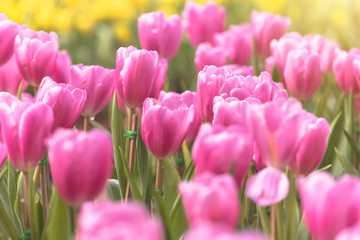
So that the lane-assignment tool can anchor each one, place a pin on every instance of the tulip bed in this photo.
(266, 148)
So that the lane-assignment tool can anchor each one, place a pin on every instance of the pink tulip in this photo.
(36, 54)
(346, 67)
(206, 54)
(8, 32)
(160, 34)
(189, 98)
(302, 73)
(266, 27)
(165, 125)
(270, 64)
(200, 195)
(10, 77)
(66, 101)
(219, 150)
(81, 163)
(24, 127)
(135, 74)
(267, 187)
(236, 42)
(351, 233)
(160, 79)
(329, 206)
(62, 72)
(98, 83)
(197, 23)
(117, 220)
(237, 70)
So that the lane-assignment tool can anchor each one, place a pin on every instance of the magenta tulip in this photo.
(165, 125)
(36, 54)
(8, 32)
(66, 101)
(346, 68)
(81, 163)
(62, 71)
(160, 79)
(117, 220)
(266, 27)
(10, 77)
(205, 191)
(206, 54)
(135, 74)
(24, 128)
(160, 34)
(197, 23)
(302, 73)
(236, 42)
(329, 206)
(267, 187)
(219, 150)
(98, 83)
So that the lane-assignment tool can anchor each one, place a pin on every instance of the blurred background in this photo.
(92, 30)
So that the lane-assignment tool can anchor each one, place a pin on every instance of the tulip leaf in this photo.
(346, 164)
(264, 219)
(112, 189)
(12, 194)
(276, 77)
(117, 144)
(98, 125)
(171, 181)
(254, 58)
(162, 210)
(354, 145)
(3, 171)
(33, 216)
(187, 155)
(143, 161)
(58, 225)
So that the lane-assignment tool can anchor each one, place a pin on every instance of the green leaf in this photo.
(254, 58)
(58, 227)
(264, 219)
(112, 189)
(346, 164)
(33, 217)
(143, 161)
(98, 125)
(6, 223)
(162, 210)
(186, 153)
(171, 181)
(13, 193)
(353, 144)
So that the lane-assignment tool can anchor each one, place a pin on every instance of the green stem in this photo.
(86, 124)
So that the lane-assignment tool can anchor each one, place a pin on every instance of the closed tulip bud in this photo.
(81, 163)
(329, 206)
(66, 101)
(197, 23)
(62, 71)
(219, 150)
(236, 42)
(266, 27)
(98, 83)
(135, 74)
(165, 125)
(302, 73)
(205, 191)
(160, 79)
(346, 68)
(8, 32)
(206, 54)
(24, 128)
(36, 54)
(10, 77)
(160, 34)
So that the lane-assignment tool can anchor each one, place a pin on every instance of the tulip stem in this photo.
(86, 124)
(132, 150)
(45, 188)
(25, 208)
(273, 222)
(180, 163)
(159, 177)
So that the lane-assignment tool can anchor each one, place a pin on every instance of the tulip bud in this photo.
(160, 34)
(62, 72)
(206, 54)
(160, 79)
(81, 163)
(10, 77)
(8, 32)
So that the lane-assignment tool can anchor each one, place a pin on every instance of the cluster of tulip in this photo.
(249, 140)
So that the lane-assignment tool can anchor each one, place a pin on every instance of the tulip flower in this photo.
(160, 34)
(36, 54)
(81, 163)
(66, 101)
(135, 74)
(205, 191)
(266, 27)
(98, 83)
(189, 98)
(329, 205)
(160, 79)
(351, 233)
(302, 73)
(346, 68)
(117, 220)
(62, 71)
(8, 32)
(24, 128)
(197, 23)
(10, 77)
(237, 70)
(236, 42)
(220, 150)
(206, 54)
(165, 125)
(267, 187)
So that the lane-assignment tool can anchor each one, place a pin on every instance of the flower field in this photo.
(179, 120)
